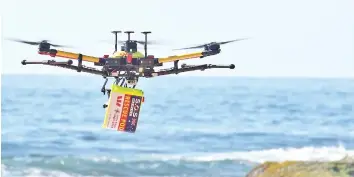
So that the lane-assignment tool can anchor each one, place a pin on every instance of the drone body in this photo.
(126, 67)
(128, 64)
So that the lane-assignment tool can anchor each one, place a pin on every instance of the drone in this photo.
(127, 65)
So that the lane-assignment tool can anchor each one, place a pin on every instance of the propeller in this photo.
(142, 42)
(37, 43)
(211, 43)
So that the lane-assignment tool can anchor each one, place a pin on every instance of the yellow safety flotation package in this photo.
(123, 109)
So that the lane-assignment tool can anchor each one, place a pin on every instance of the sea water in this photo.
(188, 126)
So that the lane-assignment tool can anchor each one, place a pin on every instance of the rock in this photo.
(340, 168)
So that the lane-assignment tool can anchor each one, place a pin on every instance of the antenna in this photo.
(145, 44)
(116, 39)
(128, 32)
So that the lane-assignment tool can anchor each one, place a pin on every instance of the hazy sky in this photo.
(288, 38)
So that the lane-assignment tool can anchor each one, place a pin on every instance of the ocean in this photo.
(188, 126)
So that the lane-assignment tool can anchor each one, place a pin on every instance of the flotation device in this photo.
(122, 112)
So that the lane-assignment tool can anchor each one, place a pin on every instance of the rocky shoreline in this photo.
(340, 168)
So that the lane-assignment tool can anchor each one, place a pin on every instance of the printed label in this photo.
(125, 112)
(133, 116)
(115, 110)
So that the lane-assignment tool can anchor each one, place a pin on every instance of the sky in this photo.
(299, 38)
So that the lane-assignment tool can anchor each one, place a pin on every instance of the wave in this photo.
(167, 164)
(310, 153)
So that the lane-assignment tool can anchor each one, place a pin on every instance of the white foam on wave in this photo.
(275, 155)
(36, 172)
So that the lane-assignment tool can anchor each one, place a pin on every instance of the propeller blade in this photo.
(56, 45)
(151, 42)
(225, 42)
(37, 43)
(23, 41)
(194, 47)
(203, 45)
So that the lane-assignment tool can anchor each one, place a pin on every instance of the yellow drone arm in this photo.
(181, 57)
(64, 54)
(76, 56)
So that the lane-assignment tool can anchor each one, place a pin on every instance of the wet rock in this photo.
(340, 168)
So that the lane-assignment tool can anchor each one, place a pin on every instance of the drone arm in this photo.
(70, 55)
(66, 65)
(188, 68)
(181, 57)
(189, 56)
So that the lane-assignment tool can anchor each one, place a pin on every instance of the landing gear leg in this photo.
(103, 89)
(118, 81)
